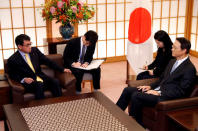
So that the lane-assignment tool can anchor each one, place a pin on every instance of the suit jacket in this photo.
(161, 61)
(178, 84)
(72, 52)
(19, 69)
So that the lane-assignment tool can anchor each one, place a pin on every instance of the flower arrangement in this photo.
(67, 11)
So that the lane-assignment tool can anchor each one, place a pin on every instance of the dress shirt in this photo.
(23, 55)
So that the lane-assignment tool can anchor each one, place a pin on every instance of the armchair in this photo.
(155, 118)
(66, 80)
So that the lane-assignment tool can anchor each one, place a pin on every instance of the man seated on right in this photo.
(175, 82)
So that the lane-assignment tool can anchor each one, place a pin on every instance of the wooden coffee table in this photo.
(16, 122)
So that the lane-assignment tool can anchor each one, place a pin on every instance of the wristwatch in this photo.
(159, 93)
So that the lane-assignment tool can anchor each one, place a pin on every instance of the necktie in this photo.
(31, 66)
(174, 66)
(82, 54)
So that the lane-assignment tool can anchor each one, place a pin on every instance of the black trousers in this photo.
(138, 100)
(145, 75)
(38, 88)
(78, 73)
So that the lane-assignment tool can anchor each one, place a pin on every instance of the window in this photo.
(17, 17)
(194, 27)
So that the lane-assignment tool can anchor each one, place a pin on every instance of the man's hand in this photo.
(144, 88)
(84, 65)
(67, 70)
(28, 80)
(76, 64)
(153, 92)
(150, 72)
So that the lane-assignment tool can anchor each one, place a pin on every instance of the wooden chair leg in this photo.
(6, 126)
(91, 83)
(83, 84)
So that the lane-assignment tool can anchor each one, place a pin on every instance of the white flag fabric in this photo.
(140, 45)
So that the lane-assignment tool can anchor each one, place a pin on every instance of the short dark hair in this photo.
(19, 40)
(91, 36)
(185, 44)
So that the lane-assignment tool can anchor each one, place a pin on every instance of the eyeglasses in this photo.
(28, 45)
(175, 48)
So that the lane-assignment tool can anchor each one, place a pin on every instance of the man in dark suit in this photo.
(175, 82)
(79, 52)
(24, 67)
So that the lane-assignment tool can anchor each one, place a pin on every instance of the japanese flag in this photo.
(139, 45)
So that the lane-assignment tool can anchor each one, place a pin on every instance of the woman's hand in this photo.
(150, 72)
(145, 67)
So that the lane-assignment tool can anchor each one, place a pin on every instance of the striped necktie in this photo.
(31, 66)
(82, 54)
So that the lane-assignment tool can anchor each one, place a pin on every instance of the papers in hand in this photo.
(93, 65)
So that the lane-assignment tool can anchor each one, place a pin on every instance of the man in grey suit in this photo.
(175, 82)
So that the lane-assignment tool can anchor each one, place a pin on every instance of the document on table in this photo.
(93, 65)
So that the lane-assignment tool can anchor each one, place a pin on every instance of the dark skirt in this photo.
(145, 75)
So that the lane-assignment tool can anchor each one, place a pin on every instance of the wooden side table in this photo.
(5, 96)
(184, 120)
(53, 42)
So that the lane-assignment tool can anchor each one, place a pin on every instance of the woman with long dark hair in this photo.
(162, 59)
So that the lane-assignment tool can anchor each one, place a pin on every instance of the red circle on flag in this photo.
(139, 26)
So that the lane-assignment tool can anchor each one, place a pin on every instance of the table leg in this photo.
(5, 126)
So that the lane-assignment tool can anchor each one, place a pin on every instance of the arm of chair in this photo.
(16, 86)
(177, 104)
(66, 80)
(142, 82)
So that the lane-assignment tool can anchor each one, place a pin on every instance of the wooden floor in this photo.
(113, 78)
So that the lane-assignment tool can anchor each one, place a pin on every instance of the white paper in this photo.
(93, 65)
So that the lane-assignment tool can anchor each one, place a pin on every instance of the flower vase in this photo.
(66, 31)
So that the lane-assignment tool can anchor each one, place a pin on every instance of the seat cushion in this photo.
(28, 96)
(31, 96)
(87, 76)
(48, 94)
(150, 112)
